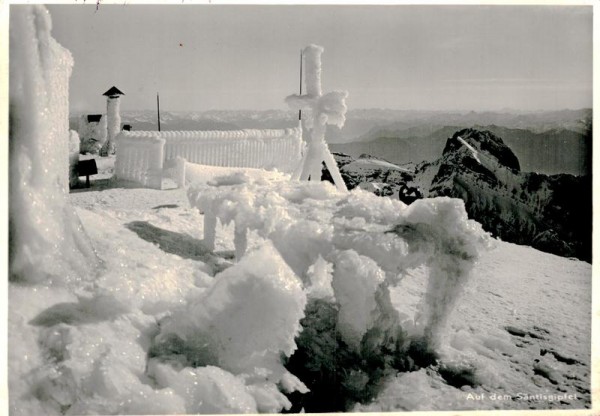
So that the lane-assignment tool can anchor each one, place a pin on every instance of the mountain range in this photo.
(542, 143)
(552, 213)
(548, 142)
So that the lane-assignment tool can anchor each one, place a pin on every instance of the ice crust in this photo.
(322, 110)
(146, 156)
(47, 240)
(251, 312)
(113, 124)
(93, 135)
(370, 241)
(140, 159)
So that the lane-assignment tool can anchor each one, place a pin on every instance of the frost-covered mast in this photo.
(113, 118)
(326, 109)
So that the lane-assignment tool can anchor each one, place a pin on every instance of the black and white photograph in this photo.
(220, 208)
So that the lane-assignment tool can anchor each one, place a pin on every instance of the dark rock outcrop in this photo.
(550, 213)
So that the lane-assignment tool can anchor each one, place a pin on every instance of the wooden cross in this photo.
(326, 109)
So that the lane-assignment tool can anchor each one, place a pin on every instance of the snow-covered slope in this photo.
(519, 339)
(385, 176)
(366, 165)
(523, 326)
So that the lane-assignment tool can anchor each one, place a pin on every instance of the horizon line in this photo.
(248, 110)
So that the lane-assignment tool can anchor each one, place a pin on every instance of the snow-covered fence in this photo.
(249, 148)
(140, 158)
(138, 152)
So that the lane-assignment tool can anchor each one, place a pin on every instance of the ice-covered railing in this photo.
(140, 158)
(249, 148)
(138, 151)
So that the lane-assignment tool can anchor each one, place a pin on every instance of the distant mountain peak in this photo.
(486, 142)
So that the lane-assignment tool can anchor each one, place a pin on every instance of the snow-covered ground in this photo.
(522, 330)
(518, 338)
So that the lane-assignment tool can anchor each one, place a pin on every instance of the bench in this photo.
(87, 168)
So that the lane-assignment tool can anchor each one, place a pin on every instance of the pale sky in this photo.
(203, 57)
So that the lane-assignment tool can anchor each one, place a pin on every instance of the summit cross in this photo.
(324, 109)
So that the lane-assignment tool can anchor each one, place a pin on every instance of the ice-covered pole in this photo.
(326, 109)
(312, 59)
(113, 116)
(114, 121)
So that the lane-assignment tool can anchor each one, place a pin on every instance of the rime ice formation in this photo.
(141, 157)
(243, 324)
(92, 132)
(96, 352)
(47, 241)
(328, 109)
(365, 238)
(251, 148)
(113, 120)
(348, 249)
(355, 282)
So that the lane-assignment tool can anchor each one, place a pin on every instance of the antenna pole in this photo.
(300, 111)
(158, 110)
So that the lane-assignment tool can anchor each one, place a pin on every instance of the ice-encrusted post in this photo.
(180, 172)
(113, 120)
(47, 242)
(240, 241)
(210, 229)
(155, 163)
(326, 109)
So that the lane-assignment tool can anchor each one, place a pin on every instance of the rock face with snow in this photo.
(384, 177)
(551, 213)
